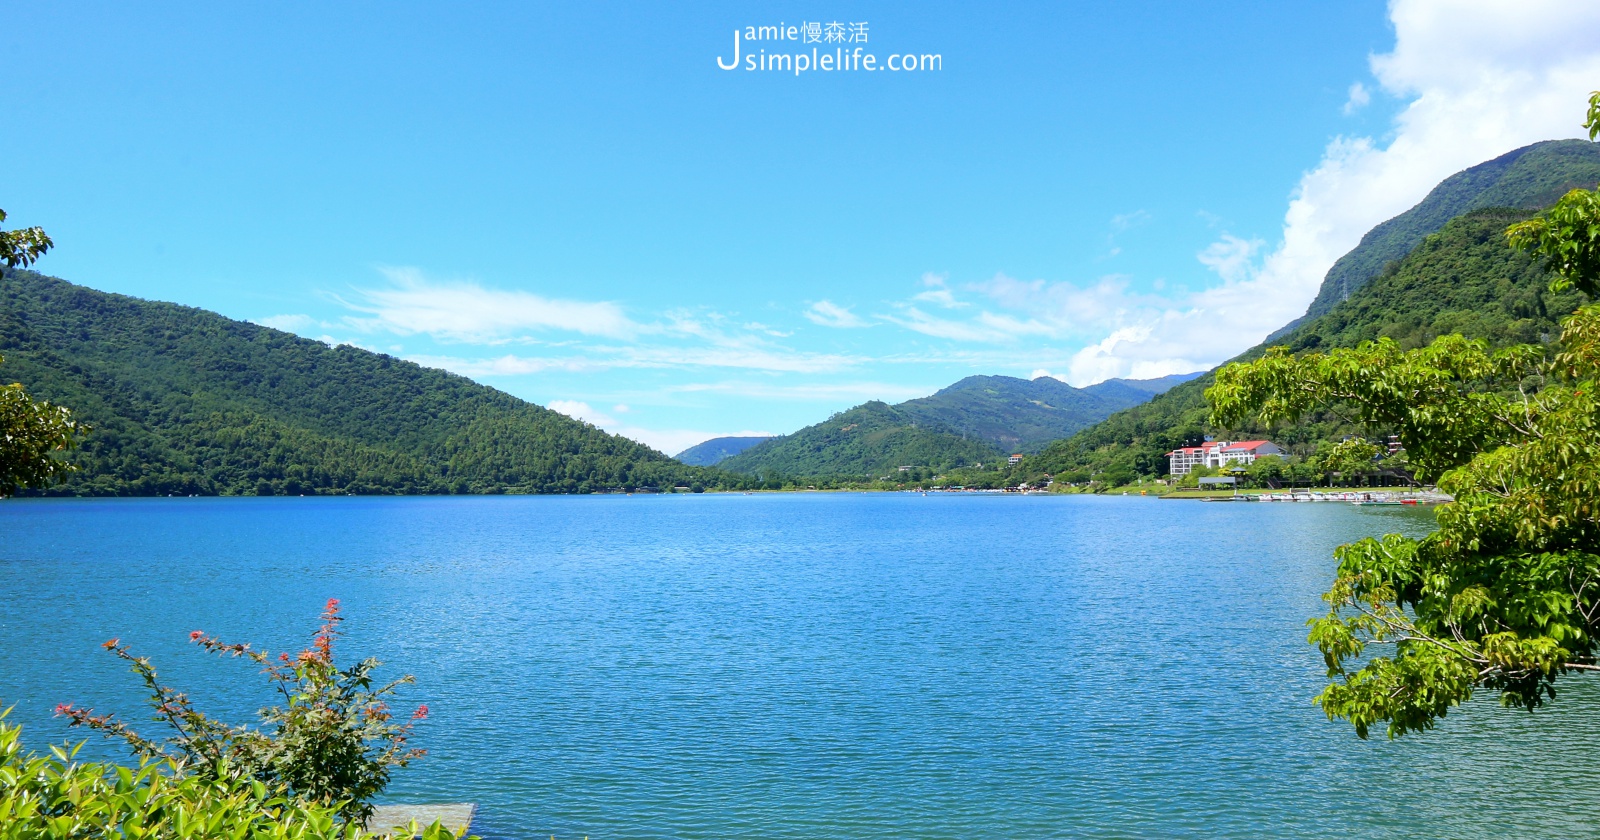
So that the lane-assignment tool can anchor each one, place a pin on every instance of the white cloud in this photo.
(1135, 352)
(579, 410)
(1482, 78)
(669, 441)
(939, 297)
(771, 360)
(1124, 221)
(1067, 308)
(938, 292)
(468, 312)
(288, 323)
(1359, 98)
(1013, 327)
(508, 365)
(1121, 223)
(830, 314)
(813, 392)
(1040, 309)
(1231, 257)
(916, 320)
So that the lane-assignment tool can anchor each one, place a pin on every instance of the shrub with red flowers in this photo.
(334, 740)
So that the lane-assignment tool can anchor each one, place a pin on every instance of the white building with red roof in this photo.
(1219, 453)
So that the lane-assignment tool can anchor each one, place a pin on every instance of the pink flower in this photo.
(63, 709)
(421, 712)
(195, 635)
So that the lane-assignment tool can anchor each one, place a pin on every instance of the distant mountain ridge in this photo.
(710, 452)
(185, 401)
(977, 420)
(1134, 392)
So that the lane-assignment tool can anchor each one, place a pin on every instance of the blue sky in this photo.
(575, 204)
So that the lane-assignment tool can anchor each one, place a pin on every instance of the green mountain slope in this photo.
(187, 401)
(975, 421)
(1020, 415)
(1464, 278)
(714, 450)
(872, 439)
(1529, 177)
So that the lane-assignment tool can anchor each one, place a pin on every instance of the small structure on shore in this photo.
(456, 817)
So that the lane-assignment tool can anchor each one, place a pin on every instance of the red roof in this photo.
(1247, 445)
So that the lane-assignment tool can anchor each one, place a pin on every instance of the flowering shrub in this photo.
(333, 742)
(53, 796)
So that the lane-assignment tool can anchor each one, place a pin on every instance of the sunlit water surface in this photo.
(799, 666)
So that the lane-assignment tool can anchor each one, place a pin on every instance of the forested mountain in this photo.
(1528, 178)
(1463, 279)
(978, 420)
(1021, 415)
(714, 450)
(187, 401)
(870, 440)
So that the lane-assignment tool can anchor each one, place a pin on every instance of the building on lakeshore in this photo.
(1014, 460)
(1218, 454)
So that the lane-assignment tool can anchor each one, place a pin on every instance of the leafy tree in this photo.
(1193, 476)
(1117, 476)
(32, 434)
(24, 246)
(333, 743)
(1351, 459)
(1265, 470)
(1505, 595)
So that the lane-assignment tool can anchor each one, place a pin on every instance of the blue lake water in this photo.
(799, 666)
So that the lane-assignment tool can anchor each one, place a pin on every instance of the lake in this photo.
(798, 665)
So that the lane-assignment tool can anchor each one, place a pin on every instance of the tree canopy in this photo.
(32, 434)
(22, 247)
